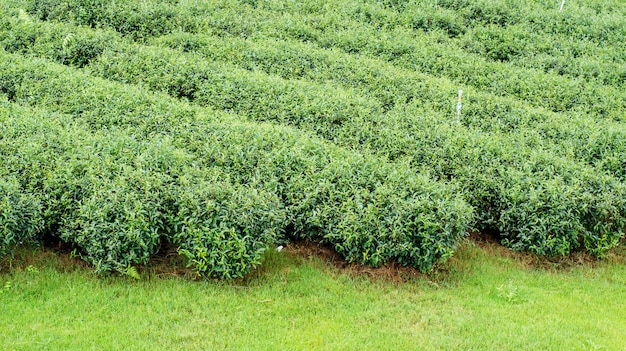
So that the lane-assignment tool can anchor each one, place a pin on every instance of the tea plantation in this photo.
(228, 127)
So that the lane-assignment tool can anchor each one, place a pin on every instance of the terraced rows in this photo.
(225, 128)
(385, 36)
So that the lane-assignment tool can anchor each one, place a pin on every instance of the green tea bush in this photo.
(236, 90)
(254, 95)
(572, 59)
(368, 210)
(74, 171)
(114, 226)
(105, 205)
(20, 215)
(162, 70)
(413, 51)
(285, 162)
(518, 191)
(136, 20)
(292, 60)
(22, 207)
(585, 138)
(540, 89)
(481, 178)
(577, 22)
(294, 102)
(224, 229)
(240, 18)
(588, 209)
(115, 199)
(515, 159)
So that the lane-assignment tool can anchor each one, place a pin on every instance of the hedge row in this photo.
(392, 42)
(525, 48)
(303, 103)
(485, 24)
(550, 225)
(599, 142)
(568, 231)
(137, 20)
(427, 53)
(599, 21)
(534, 199)
(183, 75)
(116, 198)
(370, 210)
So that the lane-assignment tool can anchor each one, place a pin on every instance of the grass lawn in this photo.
(483, 298)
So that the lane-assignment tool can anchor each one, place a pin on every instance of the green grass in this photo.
(483, 298)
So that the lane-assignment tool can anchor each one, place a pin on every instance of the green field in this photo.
(385, 131)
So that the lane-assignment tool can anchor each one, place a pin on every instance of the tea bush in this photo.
(537, 151)
(20, 215)
(116, 198)
(297, 165)
(262, 98)
(342, 27)
(224, 229)
(299, 102)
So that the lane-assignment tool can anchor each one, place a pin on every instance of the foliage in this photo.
(541, 218)
(115, 198)
(345, 27)
(126, 209)
(223, 230)
(20, 215)
(224, 127)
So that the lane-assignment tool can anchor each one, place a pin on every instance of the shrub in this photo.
(280, 160)
(505, 154)
(261, 97)
(223, 229)
(115, 198)
(20, 216)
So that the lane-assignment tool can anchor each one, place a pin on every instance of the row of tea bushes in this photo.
(20, 215)
(598, 21)
(116, 198)
(425, 53)
(371, 211)
(599, 141)
(408, 49)
(248, 98)
(530, 196)
(485, 28)
(522, 47)
(505, 167)
(371, 134)
(320, 107)
(301, 102)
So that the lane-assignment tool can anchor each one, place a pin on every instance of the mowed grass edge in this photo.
(483, 298)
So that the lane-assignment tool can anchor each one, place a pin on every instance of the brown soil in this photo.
(167, 262)
(390, 272)
(528, 260)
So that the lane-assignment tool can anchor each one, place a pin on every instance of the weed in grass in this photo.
(32, 269)
(6, 286)
(509, 292)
